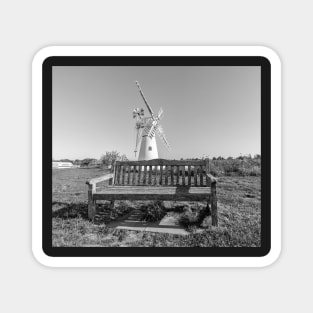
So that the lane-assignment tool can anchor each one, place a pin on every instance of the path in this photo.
(169, 224)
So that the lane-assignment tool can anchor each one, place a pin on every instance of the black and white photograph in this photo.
(156, 156)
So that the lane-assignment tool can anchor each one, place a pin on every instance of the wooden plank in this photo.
(201, 175)
(195, 175)
(166, 175)
(91, 202)
(207, 171)
(144, 175)
(161, 175)
(214, 204)
(162, 162)
(123, 174)
(211, 179)
(113, 178)
(128, 174)
(156, 190)
(117, 175)
(99, 179)
(189, 175)
(134, 175)
(183, 176)
(156, 182)
(172, 175)
(139, 175)
(177, 176)
(152, 196)
(154, 193)
(150, 175)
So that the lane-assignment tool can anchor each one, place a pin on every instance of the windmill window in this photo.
(150, 148)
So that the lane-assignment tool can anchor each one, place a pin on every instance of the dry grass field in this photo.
(239, 212)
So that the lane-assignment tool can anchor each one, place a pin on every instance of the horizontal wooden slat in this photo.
(154, 193)
(163, 162)
(157, 189)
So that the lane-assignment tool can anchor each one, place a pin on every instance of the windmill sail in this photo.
(160, 114)
(144, 99)
(163, 138)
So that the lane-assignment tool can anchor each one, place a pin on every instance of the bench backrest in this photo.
(160, 172)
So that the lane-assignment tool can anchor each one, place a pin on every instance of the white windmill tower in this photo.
(147, 128)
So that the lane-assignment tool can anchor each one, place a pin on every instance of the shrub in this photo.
(193, 218)
(154, 212)
(242, 166)
(111, 156)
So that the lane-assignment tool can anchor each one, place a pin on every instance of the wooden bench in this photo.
(158, 179)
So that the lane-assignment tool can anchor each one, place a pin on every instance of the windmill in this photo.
(147, 128)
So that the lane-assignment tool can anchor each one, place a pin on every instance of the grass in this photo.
(239, 212)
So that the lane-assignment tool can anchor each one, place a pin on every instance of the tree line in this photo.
(106, 159)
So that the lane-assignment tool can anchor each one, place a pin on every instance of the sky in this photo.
(207, 110)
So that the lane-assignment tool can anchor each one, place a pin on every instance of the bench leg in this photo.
(91, 209)
(214, 211)
(214, 205)
(208, 208)
(91, 206)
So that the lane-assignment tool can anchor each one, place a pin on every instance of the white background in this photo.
(27, 26)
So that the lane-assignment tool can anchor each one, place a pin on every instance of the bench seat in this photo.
(168, 193)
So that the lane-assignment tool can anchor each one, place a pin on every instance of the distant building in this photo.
(56, 164)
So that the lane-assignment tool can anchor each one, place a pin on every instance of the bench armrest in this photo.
(211, 178)
(96, 180)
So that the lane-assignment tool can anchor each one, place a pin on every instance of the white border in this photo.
(156, 261)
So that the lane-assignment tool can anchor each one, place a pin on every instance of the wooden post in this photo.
(201, 176)
(144, 175)
(207, 171)
(195, 175)
(156, 176)
(123, 174)
(189, 175)
(117, 174)
(214, 204)
(134, 175)
(91, 202)
(139, 174)
(128, 174)
(161, 174)
(112, 180)
(166, 175)
(150, 175)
